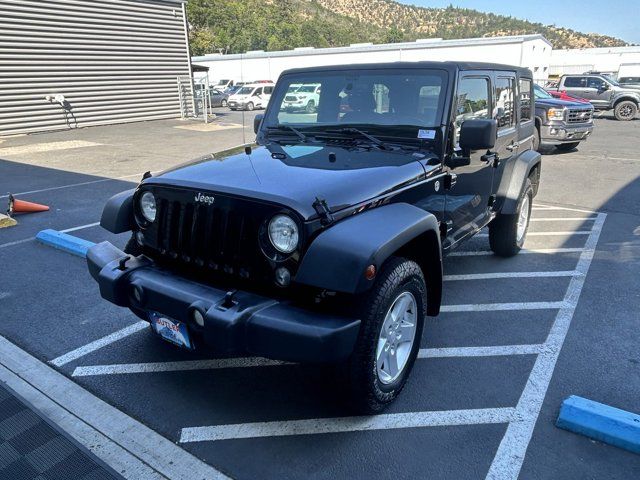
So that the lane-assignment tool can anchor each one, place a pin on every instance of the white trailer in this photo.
(532, 51)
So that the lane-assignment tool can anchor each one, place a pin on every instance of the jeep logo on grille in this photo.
(200, 198)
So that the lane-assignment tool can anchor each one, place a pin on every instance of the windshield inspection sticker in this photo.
(427, 134)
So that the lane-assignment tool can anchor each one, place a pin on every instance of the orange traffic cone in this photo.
(20, 206)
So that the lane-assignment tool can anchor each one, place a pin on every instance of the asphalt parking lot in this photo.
(516, 336)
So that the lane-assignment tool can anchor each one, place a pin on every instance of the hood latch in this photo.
(321, 208)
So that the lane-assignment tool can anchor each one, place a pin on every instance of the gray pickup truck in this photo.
(604, 93)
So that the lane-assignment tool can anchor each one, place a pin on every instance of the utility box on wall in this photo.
(73, 63)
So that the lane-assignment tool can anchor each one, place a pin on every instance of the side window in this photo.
(504, 109)
(575, 82)
(472, 101)
(595, 82)
(525, 99)
(257, 92)
(268, 90)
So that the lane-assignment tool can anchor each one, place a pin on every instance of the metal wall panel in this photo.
(113, 60)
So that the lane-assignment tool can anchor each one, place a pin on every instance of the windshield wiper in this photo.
(371, 138)
(300, 135)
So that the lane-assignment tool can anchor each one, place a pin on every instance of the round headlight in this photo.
(283, 233)
(148, 206)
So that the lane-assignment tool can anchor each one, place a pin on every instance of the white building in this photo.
(600, 59)
(532, 51)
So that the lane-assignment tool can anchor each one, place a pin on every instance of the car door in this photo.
(598, 91)
(467, 201)
(266, 95)
(506, 115)
(256, 97)
(575, 86)
(216, 98)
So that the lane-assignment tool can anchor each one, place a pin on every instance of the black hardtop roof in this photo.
(451, 67)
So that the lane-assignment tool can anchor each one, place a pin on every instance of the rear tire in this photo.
(625, 110)
(389, 338)
(567, 147)
(507, 233)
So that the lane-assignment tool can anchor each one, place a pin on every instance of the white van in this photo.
(251, 96)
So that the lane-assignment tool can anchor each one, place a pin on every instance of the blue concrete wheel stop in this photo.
(600, 422)
(62, 241)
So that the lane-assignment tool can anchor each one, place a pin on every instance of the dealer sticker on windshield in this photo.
(427, 134)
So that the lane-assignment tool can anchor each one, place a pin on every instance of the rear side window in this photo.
(504, 109)
(525, 99)
(575, 82)
(268, 90)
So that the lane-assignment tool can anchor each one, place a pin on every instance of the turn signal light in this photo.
(370, 272)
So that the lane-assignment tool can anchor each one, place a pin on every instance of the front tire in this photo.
(507, 233)
(567, 147)
(223, 103)
(250, 106)
(625, 111)
(392, 315)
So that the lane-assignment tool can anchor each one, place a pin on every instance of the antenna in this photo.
(244, 134)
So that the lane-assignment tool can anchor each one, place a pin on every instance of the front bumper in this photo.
(565, 133)
(242, 323)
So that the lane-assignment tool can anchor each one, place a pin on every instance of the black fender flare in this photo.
(514, 176)
(337, 258)
(117, 214)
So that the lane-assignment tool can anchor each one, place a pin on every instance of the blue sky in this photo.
(619, 19)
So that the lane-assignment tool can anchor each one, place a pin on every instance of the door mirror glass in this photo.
(478, 134)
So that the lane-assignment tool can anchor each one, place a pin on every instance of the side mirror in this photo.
(478, 134)
(257, 120)
(604, 87)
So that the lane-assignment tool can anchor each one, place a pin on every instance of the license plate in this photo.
(171, 330)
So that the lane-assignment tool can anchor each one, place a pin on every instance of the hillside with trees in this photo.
(237, 26)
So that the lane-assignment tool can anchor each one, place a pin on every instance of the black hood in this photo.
(557, 103)
(295, 175)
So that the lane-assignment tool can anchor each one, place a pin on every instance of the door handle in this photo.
(512, 146)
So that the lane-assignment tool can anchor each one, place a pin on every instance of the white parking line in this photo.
(491, 307)
(244, 362)
(126, 445)
(348, 424)
(524, 251)
(74, 185)
(497, 351)
(508, 461)
(81, 227)
(66, 230)
(488, 276)
(97, 344)
(556, 207)
(156, 367)
(546, 234)
(563, 219)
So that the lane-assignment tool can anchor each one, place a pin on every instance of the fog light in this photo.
(283, 277)
(197, 317)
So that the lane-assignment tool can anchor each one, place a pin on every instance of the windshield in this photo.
(245, 91)
(541, 92)
(399, 97)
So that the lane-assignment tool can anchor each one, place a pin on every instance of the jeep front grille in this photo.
(579, 115)
(290, 98)
(222, 237)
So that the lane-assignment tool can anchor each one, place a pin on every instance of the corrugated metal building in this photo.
(75, 63)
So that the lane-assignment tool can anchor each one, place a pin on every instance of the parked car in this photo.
(323, 242)
(604, 93)
(223, 84)
(218, 98)
(251, 96)
(563, 123)
(303, 98)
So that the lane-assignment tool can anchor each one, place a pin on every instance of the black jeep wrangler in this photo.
(323, 242)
